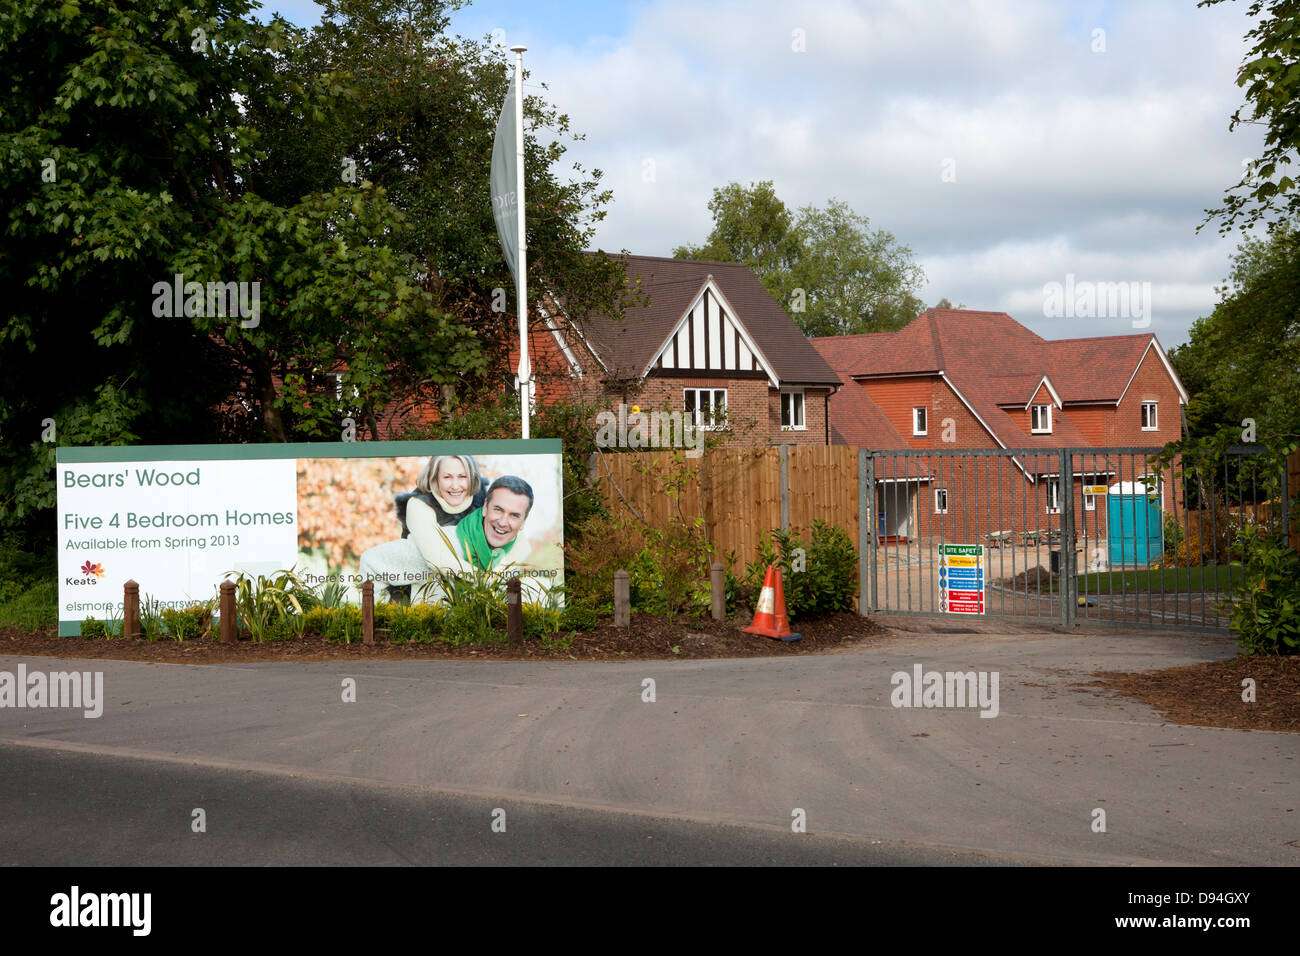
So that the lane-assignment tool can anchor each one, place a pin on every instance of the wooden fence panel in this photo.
(824, 484)
(737, 491)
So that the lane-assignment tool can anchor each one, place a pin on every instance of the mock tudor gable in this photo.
(703, 337)
(708, 338)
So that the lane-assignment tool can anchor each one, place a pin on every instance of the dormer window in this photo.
(1040, 419)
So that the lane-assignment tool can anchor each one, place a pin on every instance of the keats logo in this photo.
(92, 570)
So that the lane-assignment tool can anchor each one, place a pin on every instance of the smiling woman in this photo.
(449, 488)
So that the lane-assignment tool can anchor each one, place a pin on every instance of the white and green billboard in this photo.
(179, 519)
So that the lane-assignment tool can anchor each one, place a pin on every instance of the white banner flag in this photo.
(505, 198)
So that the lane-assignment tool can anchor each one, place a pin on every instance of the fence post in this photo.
(717, 581)
(228, 621)
(622, 599)
(514, 611)
(130, 609)
(368, 612)
(784, 458)
(1065, 497)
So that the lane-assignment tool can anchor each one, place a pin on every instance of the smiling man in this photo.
(490, 534)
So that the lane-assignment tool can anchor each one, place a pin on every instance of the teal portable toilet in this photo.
(1134, 525)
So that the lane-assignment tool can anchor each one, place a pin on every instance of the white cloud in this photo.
(1066, 160)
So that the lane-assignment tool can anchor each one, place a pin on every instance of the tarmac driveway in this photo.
(748, 741)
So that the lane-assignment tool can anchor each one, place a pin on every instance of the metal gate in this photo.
(1122, 539)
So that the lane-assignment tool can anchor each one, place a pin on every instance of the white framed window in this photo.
(706, 407)
(918, 420)
(1040, 419)
(1089, 502)
(1053, 490)
(941, 501)
(792, 411)
(1149, 416)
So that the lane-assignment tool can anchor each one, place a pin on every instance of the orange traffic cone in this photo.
(769, 618)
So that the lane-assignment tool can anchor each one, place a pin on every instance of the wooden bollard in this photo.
(514, 611)
(622, 599)
(131, 609)
(718, 584)
(229, 619)
(368, 612)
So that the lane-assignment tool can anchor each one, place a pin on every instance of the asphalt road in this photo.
(69, 808)
(714, 769)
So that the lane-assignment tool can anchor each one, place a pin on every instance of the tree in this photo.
(1243, 360)
(826, 266)
(1271, 78)
(856, 280)
(417, 116)
(753, 226)
(187, 138)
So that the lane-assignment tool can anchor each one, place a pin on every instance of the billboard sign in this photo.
(179, 519)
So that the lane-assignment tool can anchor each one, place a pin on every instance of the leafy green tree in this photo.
(826, 266)
(1270, 76)
(750, 225)
(1243, 360)
(416, 115)
(117, 122)
(855, 279)
(141, 142)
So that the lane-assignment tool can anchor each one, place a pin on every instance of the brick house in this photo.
(708, 341)
(966, 380)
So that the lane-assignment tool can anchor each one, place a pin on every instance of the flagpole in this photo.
(521, 279)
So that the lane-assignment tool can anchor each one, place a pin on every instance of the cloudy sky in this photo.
(1009, 144)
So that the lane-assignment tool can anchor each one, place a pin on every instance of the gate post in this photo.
(864, 537)
(1065, 494)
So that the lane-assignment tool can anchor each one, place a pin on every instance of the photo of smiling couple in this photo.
(454, 520)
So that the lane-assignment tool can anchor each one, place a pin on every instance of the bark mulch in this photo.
(1209, 694)
(648, 638)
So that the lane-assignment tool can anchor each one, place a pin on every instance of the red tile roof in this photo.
(990, 359)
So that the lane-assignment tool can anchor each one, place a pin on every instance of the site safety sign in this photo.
(961, 578)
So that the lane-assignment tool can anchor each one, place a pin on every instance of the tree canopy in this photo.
(1243, 360)
(1270, 75)
(343, 170)
(826, 266)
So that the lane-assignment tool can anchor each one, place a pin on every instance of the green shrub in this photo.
(187, 623)
(93, 628)
(540, 621)
(474, 605)
(593, 552)
(825, 580)
(316, 620)
(151, 618)
(283, 629)
(407, 624)
(577, 617)
(343, 623)
(1264, 609)
(264, 601)
(32, 607)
